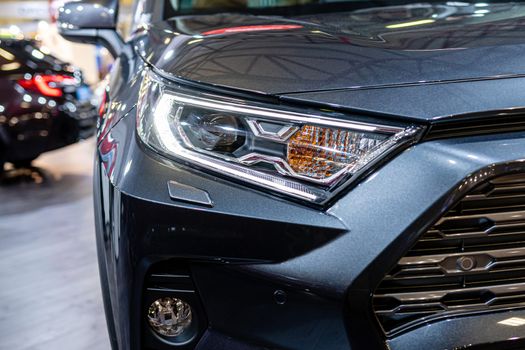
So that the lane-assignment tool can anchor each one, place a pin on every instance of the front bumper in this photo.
(249, 246)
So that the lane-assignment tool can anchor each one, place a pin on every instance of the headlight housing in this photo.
(306, 156)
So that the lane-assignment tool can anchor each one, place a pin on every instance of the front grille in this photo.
(471, 260)
(481, 125)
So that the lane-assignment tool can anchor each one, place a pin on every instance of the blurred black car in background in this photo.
(44, 103)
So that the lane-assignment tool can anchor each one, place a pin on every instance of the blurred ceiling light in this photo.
(37, 54)
(7, 55)
(43, 25)
(15, 30)
(45, 50)
(10, 66)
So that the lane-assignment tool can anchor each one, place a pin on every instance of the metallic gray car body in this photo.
(363, 232)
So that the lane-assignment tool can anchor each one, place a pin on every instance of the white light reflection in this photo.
(513, 322)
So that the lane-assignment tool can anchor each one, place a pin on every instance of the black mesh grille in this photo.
(472, 259)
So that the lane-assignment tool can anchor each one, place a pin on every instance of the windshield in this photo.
(268, 7)
(151, 11)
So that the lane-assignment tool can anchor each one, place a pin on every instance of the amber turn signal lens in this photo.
(320, 152)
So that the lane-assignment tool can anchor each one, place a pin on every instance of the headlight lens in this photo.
(302, 155)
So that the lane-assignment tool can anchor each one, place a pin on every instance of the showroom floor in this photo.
(49, 288)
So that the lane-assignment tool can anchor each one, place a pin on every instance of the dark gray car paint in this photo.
(354, 50)
(427, 102)
(377, 211)
(373, 217)
(464, 330)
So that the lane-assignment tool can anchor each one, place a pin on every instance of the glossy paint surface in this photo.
(251, 245)
(374, 47)
(496, 325)
(436, 102)
(378, 223)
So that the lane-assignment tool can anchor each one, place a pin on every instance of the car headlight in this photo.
(303, 155)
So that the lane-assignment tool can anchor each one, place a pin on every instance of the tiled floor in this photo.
(49, 288)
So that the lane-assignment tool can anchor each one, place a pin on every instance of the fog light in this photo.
(170, 317)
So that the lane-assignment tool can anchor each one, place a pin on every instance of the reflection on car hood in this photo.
(374, 47)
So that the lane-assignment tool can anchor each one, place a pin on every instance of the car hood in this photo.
(374, 47)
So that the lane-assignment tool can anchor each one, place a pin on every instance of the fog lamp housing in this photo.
(170, 317)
